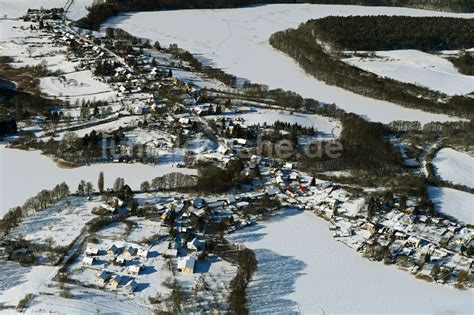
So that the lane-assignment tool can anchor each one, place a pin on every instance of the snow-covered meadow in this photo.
(77, 86)
(236, 40)
(302, 269)
(16, 8)
(25, 173)
(452, 202)
(417, 67)
(455, 166)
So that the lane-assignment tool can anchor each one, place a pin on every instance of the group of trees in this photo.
(215, 73)
(213, 179)
(464, 63)
(379, 32)
(41, 201)
(302, 45)
(364, 148)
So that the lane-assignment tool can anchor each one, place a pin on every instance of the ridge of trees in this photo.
(99, 13)
(302, 45)
(393, 32)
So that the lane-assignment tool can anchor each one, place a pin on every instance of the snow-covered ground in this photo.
(17, 8)
(77, 86)
(326, 127)
(303, 269)
(455, 203)
(62, 223)
(417, 67)
(455, 166)
(236, 40)
(17, 281)
(25, 173)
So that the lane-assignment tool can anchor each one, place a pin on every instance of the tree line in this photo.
(41, 201)
(381, 32)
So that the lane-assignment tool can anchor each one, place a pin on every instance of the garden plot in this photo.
(61, 224)
(31, 48)
(79, 85)
(197, 80)
(144, 230)
(455, 166)
(416, 67)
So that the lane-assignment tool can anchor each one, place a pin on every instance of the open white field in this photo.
(236, 40)
(16, 8)
(455, 203)
(455, 166)
(77, 86)
(62, 223)
(17, 281)
(326, 127)
(303, 269)
(417, 67)
(25, 173)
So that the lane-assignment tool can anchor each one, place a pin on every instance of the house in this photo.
(196, 245)
(113, 250)
(88, 261)
(108, 207)
(199, 203)
(92, 251)
(165, 215)
(114, 282)
(131, 286)
(130, 252)
(135, 269)
(103, 276)
(142, 253)
(272, 191)
(242, 204)
(186, 264)
(119, 261)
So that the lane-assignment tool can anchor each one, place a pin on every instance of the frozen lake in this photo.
(236, 40)
(302, 269)
(25, 173)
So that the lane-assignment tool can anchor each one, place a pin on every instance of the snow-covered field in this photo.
(77, 86)
(17, 281)
(25, 173)
(303, 269)
(62, 223)
(452, 202)
(236, 40)
(16, 8)
(455, 166)
(327, 128)
(417, 67)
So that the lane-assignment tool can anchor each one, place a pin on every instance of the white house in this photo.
(131, 286)
(90, 251)
(135, 269)
(142, 253)
(89, 261)
(186, 264)
(196, 245)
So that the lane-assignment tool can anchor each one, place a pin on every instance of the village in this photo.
(144, 104)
